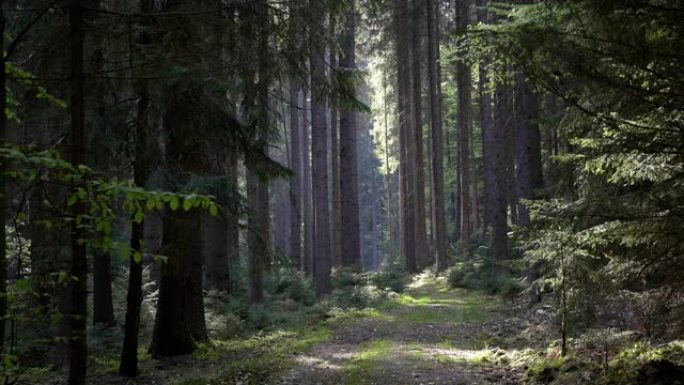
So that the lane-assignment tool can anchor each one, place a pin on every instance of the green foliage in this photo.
(361, 290)
(544, 371)
(624, 367)
(482, 276)
(291, 285)
(28, 82)
(101, 196)
(393, 280)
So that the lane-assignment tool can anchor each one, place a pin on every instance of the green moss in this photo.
(105, 364)
(624, 366)
(544, 370)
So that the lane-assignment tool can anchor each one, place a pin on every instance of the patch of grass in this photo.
(624, 366)
(340, 317)
(431, 309)
(256, 359)
(544, 370)
(366, 360)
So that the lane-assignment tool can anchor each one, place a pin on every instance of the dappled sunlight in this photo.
(427, 281)
(319, 363)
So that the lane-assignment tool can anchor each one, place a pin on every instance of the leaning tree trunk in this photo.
(349, 188)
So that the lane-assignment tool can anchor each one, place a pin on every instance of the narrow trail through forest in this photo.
(428, 335)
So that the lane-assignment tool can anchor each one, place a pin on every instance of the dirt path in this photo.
(428, 335)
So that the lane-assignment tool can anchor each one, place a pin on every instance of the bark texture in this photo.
(349, 188)
(438, 219)
(464, 86)
(400, 14)
(319, 150)
(417, 99)
(79, 263)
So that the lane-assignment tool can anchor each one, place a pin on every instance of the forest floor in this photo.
(427, 335)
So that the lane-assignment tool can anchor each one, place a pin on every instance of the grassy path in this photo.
(428, 335)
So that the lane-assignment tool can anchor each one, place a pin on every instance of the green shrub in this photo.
(510, 287)
(355, 297)
(301, 291)
(462, 275)
(390, 280)
(344, 278)
(291, 284)
(259, 317)
(222, 326)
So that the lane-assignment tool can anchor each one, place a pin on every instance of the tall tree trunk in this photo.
(496, 143)
(307, 185)
(488, 133)
(474, 196)
(79, 263)
(406, 136)
(319, 149)
(257, 237)
(417, 94)
(215, 251)
(529, 163)
(232, 173)
(257, 186)
(464, 85)
(129, 352)
(335, 155)
(437, 134)
(296, 181)
(510, 137)
(172, 331)
(153, 232)
(103, 308)
(3, 187)
(528, 146)
(219, 231)
(295, 150)
(233, 217)
(180, 308)
(388, 184)
(374, 223)
(349, 188)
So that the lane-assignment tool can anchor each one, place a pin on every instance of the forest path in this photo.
(428, 335)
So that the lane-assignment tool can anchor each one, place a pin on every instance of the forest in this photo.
(342, 192)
